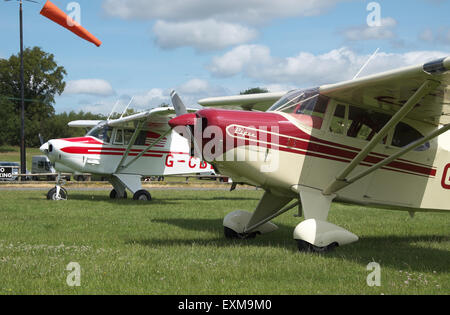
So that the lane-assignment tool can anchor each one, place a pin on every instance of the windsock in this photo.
(55, 14)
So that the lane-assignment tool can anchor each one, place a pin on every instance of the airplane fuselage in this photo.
(91, 155)
(284, 153)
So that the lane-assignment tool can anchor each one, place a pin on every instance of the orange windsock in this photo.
(55, 14)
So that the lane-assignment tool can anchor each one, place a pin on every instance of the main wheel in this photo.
(310, 248)
(142, 195)
(113, 194)
(231, 234)
(51, 195)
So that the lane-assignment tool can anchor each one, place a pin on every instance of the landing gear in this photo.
(142, 195)
(306, 247)
(231, 234)
(57, 193)
(114, 195)
(131, 182)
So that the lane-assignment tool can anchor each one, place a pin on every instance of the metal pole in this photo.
(23, 161)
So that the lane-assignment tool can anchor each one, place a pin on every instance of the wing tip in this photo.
(437, 66)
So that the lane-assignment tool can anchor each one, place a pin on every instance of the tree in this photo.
(43, 80)
(255, 90)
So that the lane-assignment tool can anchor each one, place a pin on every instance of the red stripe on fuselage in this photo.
(115, 151)
(303, 143)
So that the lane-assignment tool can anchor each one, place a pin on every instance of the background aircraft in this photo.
(124, 150)
(380, 140)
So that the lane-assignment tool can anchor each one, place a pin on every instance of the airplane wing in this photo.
(84, 123)
(260, 102)
(156, 119)
(418, 92)
(390, 90)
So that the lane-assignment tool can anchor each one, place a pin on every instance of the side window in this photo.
(119, 137)
(127, 134)
(405, 134)
(338, 121)
(140, 140)
(364, 124)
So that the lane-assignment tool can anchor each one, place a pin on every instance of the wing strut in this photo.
(341, 180)
(130, 144)
(147, 148)
(405, 150)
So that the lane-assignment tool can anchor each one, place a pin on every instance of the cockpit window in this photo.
(291, 100)
(364, 124)
(101, 132)
(307, 106)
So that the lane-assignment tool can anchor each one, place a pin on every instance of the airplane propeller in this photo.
(180, 110)
(41, 140)
(178, 105)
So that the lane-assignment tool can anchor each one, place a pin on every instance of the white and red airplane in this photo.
(124, 150)
(379, 141)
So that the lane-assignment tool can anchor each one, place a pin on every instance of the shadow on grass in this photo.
(157, 200)
(399, 252)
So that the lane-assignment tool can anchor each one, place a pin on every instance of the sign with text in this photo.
(6, 172)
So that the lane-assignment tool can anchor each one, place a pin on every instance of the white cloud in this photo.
(384, 31)
(240, 58)
(427, 35)
(440, 36)
(211, 25)
(195, 89)
(306, 69)
(203, 35)
(89, 86)
(194, 86)
(244, 11)
(150, 98)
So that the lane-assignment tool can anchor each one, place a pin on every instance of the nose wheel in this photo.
(57, 193)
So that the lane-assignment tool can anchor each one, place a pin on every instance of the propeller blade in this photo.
(41, 140)
(180, 110)
(178, 105)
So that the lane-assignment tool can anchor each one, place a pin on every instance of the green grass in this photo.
(175, 245)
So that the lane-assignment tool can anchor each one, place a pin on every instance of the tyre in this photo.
(113, 194)
(142, 195)
(309, 248)
(51, 195)
(231, 234)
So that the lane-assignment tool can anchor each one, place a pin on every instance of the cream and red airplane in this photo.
(379, 141)
(124, 150)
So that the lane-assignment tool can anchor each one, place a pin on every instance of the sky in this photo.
(206, 48)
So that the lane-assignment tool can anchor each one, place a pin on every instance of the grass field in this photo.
(12, 154)
(175, 245)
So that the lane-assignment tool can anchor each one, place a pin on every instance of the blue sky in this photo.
(208, 48)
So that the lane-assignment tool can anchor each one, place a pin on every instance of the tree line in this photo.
(44, 79)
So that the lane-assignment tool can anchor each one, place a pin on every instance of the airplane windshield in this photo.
(101, 132)
(289, 102)
(307, 106)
